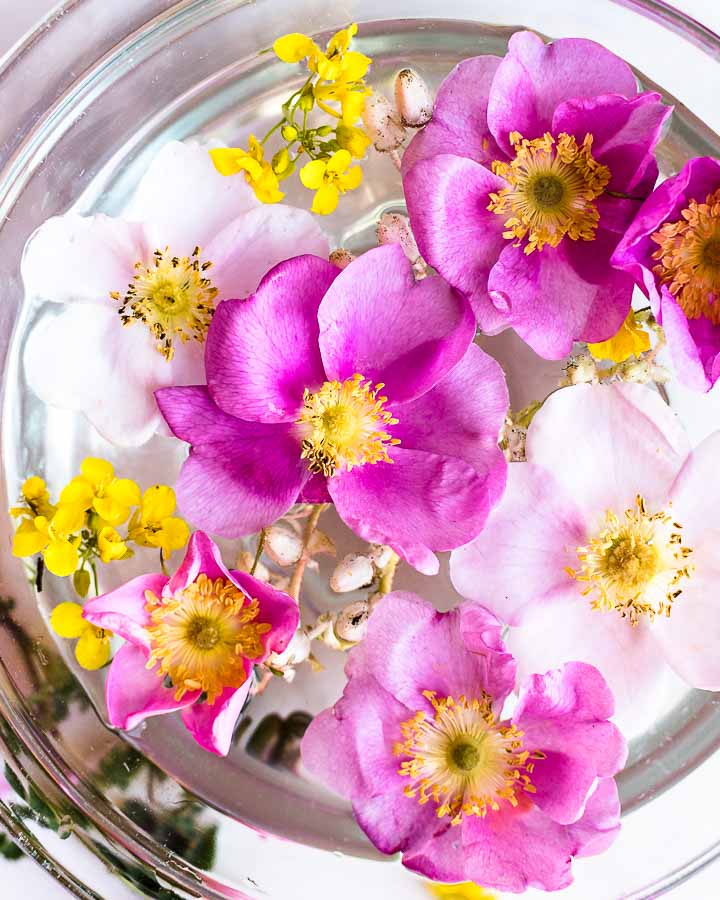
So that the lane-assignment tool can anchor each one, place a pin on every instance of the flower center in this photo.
(203, 635)
(688, 257)
(635, 566)
(172, 297)
(344, 425)
(550, 192)
(462, 759)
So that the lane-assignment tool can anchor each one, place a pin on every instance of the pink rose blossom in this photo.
(359, 386)
(191, 643)
(521, 796)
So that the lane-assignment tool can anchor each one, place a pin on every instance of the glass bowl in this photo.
(87, 99)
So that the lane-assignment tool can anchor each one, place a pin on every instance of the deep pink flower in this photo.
(360, 386)
(191, 643)
(604, 547)
(591, 136)
(672, 250)
(418, 745)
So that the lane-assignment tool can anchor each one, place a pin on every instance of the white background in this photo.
(24, 878)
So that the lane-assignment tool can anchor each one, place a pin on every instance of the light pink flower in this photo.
(604, 546)
(82, 358)
(522, 796)
(191, 643)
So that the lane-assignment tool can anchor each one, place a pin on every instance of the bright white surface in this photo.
(24, 879)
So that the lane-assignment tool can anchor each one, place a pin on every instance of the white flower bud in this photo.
(282, 545)
(581, 370)
(353, 572)
(351, 624)
(661, 375)
(380, 555)
(637, 370)
(413, 99)
(516, 438)
(297, 651)
(341, 258)
(383, 124)
(394, 228)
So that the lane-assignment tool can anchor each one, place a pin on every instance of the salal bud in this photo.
(353, 572)
(383, 124)
(341, 258)
(282, 545)
(394, 228)
(413, 99)
(351, 624)
(516, 439)
(380, 555)
(637, 370)
(581, 370)
(297, 651)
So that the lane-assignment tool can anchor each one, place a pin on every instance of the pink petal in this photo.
(73, 361)
(75, 258)
(133, 692)
(470, 403)
(411, 648)
(600, 824)
(123, 612)
(213, 726)
(376, 320)
(694, 345)
(609, 462)
(420, 503)
(246, 249)
(277, 609)
(459, 121)
(255, 468)
(550, 304)
(263, 352)
(521, 555)
(534, 78)
(202, 556)
(186, 200)
(447, 199)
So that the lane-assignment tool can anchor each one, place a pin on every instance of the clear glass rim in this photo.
(149, 22)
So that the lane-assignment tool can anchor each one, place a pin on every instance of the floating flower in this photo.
(54, 537)
(361, 386)
(419, 745)
(604, 547)
(92, 650)
(192, 641)
(97, 489)
(672, 249)
(137, 294)
(154, 525)
(258, 171)
(329, 178)
(631, 340)
(521, 186)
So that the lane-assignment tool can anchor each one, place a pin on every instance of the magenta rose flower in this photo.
(191, 643)
(419, 745)
(362, 387)
(672, 250)
(604, 547)
(521, 186)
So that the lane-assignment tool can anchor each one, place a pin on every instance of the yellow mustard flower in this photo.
(92, 650)
(337, 62)
(258, 171)
(352, 139)
(37, 499)
(329, 178)
(630, 340)
(292, 48)
(111, 545)
(98, 489)
(153, 525)
(465, 891)
(53, 538)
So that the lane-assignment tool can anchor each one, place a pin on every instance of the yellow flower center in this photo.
(550, 193)
(344, 425)
(462, 759)
(172, 297)
(636, 565)
(688, 257)
(202, 635)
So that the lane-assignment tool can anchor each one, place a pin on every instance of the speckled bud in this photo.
(353, 572)
(282, 545)
(394, 228)
(351, 624)
(413, 99)
(382, 123)
(341, 258)
(380, 555)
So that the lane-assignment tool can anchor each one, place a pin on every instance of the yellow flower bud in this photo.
(289, 132)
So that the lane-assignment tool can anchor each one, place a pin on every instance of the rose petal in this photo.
(202, 556)
(213, 726)
(276, 609)
(378, 321)
(123, 612)
(263, 352)
(600, 824)
(694, 344)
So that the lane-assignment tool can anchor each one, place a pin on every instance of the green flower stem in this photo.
(258, 552)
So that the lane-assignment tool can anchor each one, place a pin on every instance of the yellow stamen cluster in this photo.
(203, 635)
(172, 296)
(636, 565)
(551, 187)
(344, 425)
(688, 257)
(463, 760)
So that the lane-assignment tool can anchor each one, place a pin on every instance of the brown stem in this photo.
(396, 159)
(310, 526)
